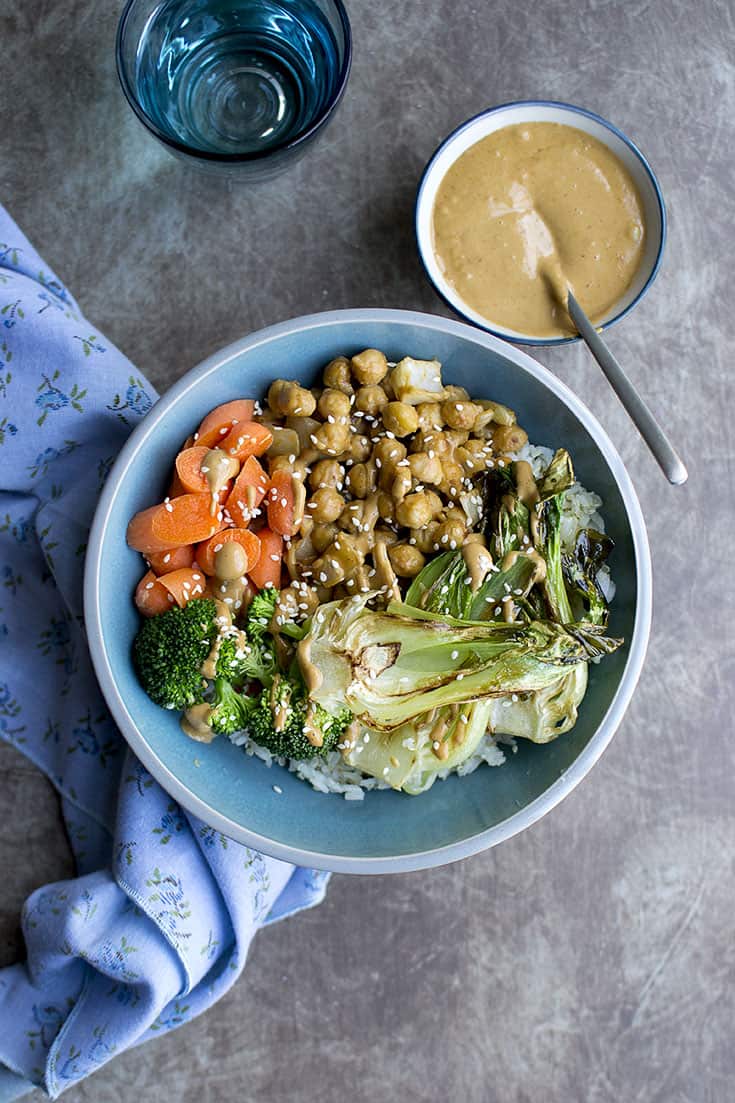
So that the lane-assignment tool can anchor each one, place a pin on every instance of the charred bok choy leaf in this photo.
(581, 569)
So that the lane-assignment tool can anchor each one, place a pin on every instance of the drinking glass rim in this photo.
(233, 158)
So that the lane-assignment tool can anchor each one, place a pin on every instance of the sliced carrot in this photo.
(280, 503)
(186, 520)
(247, 438)
(184, 584)
(218, 422)
(247, 493)
(151, 598)
(171, 559)
(140, 534)
(177, 488)
(209, 548)
(189, 469)
(183, 520)
(268, 567)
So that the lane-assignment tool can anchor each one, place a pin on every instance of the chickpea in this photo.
(414, 511)
(386, 506)
(334, 439)
(335, 404)
(359, 447)
(452, 393)
(430, 416)
(327, 473)
(400, 418)
(349, 551)
(296, 467)
(451, 484)
(303, 427)
(339, 559)
(325, 506)
(287, 605)
(388, 453)
(425, 468)
(456, 437)
(424, 537)
(509, 438)
(369, 366)
(285, 441)
(461, 415)
(402, 483)
(501, 415)
(454, 513)
(471, 462)
(435, 503)
(449, 535)
(406, 560)
(383, 535)
(361, 480)
(306, 596)
(359, 517)
(322, 536)
(287, 397)
(371, 399)
(430, 442)
(337, 375)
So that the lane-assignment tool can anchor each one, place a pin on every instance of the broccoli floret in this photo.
(260, 614)
(239, 660)
(231, 710)
(287, 706)
(169, 650)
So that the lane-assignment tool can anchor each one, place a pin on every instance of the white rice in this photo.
(331, 774)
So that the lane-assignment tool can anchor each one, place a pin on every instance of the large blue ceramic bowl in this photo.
(388, 831)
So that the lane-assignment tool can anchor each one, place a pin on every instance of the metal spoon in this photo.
(643, 419)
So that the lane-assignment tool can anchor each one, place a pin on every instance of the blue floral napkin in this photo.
(157, 924)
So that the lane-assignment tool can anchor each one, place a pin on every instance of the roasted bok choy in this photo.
(486, 640)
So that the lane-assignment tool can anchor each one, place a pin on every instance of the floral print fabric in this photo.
(157, 924)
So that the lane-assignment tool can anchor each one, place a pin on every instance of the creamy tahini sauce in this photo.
(230, 561)
(530, 210)
(195, 723)
(478, 561)
(218, 467)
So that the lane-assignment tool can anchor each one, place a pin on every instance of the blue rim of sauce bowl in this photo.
(425, 247)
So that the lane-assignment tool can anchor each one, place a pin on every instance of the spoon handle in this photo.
(645, 422)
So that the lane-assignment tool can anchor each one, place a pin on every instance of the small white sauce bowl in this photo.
(541, 111)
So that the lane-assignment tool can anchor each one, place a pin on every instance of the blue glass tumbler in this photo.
(237, 86)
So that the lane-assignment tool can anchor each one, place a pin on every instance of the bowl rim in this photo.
(396, 863)
(257, 156)
(538, 342)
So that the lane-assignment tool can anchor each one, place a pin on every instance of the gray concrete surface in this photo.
(591, 959)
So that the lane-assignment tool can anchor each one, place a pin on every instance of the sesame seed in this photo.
(149, 585)
(170, 597)
(167, 557)
(435, 744)
(455, 655)
(275, 557)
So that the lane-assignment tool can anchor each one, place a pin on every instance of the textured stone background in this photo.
(593, 957)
